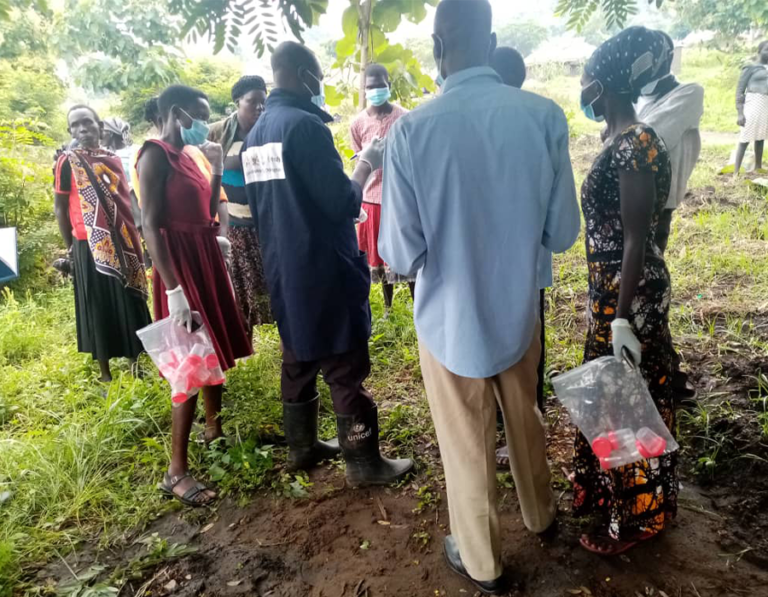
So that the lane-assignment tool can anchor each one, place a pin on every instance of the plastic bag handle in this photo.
(628, 358)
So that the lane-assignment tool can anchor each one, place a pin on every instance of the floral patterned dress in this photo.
(637, 499)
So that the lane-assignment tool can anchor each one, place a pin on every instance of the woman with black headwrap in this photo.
(246, 269)
(623, 197)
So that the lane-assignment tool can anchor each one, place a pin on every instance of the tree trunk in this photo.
(365, 9)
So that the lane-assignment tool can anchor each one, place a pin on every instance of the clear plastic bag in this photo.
(186, 359)
(609, 402)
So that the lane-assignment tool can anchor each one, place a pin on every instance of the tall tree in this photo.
(366, 24)
(729, 19)
(119, 43)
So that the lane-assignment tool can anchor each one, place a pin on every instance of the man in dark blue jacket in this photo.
(305, 206)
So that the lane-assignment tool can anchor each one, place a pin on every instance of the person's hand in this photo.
(178, 307)
(225, 247)
(373, 154)
(624, 337)
(362, 217)
(214, 153)
(742, 121)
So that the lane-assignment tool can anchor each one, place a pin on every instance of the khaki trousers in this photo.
(464, 412)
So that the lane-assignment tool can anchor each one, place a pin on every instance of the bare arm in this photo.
(215, 194)
(638, 196)
(61, 209)
(223, 218)
(361, 174)
(153, 170)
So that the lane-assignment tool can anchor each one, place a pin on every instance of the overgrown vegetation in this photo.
(79, 460)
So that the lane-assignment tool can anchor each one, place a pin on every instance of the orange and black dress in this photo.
(109, 279)
(638, 498)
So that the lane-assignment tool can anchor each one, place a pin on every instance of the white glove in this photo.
(178, 307)
(373, 154)
(225, 247)
(214, 153)
(624, 337)
(362, 217)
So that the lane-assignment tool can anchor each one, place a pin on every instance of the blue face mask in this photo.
(379, 96)
(317, 99)
(197, 134)
(440, 80)
(589, 109)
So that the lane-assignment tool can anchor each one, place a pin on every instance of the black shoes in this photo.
(453, 558)
(304, 449)
(359, 440)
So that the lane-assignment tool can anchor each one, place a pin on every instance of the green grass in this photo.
(79, 461)
(718, 73)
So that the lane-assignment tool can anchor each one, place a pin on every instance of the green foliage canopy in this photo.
(366, 24)
(524, 36)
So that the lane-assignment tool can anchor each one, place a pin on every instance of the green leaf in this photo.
(378, 41)
(416, 11)
(346, 47)
(349, 22)
(332, 96)
(387, 16)
(390, 54)
(217, 473)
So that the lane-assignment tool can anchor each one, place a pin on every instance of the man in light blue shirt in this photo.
(475, 182)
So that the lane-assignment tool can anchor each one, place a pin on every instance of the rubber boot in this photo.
(359, 439)
(304, 449)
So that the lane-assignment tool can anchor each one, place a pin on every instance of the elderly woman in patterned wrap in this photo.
(623, 197)
(93, 209)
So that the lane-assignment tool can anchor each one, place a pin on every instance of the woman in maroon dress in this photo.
(178, 209)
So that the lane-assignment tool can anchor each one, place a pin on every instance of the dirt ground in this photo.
(341, 542)
(355, 543)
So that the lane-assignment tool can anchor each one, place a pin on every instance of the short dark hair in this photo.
(152, 110)
(178, 95)
(464, 24)
(762, 46)
(247, 84)
(83, 107)
(376, 70)
(292, 55)
(510, 65)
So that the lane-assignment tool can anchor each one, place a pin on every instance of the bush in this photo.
(214, 78)
(26, 201)
(30, 89)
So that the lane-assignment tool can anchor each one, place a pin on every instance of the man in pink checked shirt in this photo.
(372, 123)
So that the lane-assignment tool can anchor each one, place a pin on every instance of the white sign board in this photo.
(9, 257)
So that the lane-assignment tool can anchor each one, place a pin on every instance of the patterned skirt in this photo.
(756, 113)
(247, 273)
(638, 498)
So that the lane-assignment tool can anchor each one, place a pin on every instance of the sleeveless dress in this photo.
(640, 497)
(190, 234)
